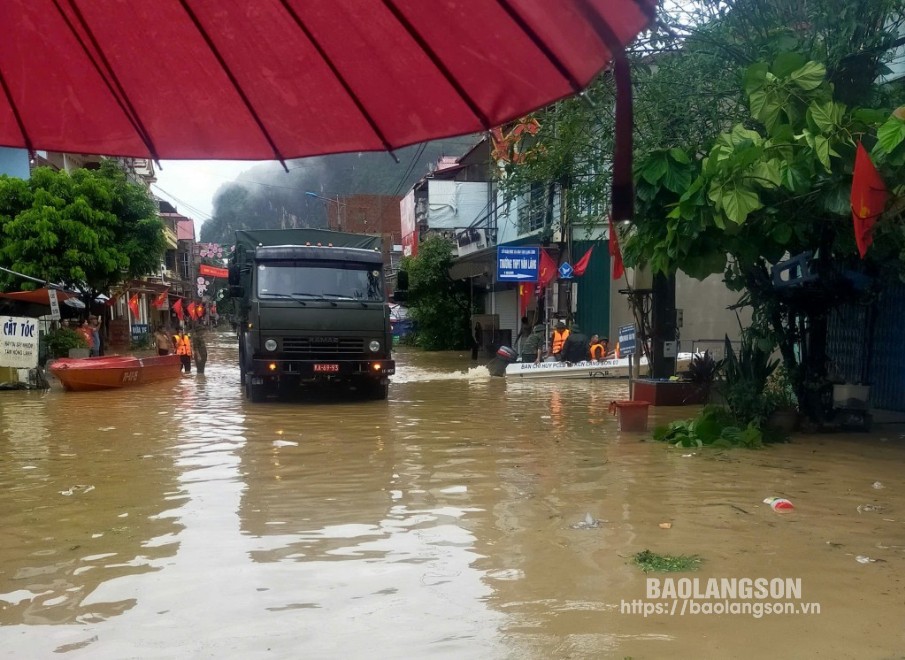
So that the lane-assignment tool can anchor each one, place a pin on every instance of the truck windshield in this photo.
(314, 280)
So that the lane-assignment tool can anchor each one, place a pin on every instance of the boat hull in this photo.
(599, 369)
(114, 372)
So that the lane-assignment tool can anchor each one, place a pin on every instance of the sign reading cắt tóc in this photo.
(19, 342)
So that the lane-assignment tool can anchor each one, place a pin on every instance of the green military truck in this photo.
(312, 311)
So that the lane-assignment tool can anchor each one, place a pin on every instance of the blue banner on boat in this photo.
(517, 264)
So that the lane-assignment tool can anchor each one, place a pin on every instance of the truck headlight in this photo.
(270, 345)
(374, 346)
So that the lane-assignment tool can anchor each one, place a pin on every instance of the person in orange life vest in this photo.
(597, 350)
(616, 354)
(87, 334)
(182, 340)
(560, 334)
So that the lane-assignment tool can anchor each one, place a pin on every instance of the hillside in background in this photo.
(267, 197)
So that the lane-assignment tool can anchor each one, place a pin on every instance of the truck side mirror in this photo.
(233, 276)
(236, 292)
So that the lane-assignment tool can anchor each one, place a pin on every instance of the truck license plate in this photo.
(327, 368)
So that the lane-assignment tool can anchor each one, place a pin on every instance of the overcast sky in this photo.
(190, 184)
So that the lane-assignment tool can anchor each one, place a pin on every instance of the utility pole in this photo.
(663, 325)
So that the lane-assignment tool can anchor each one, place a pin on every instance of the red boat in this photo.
(115, 371)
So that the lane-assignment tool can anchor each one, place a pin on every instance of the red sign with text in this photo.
(212, 271)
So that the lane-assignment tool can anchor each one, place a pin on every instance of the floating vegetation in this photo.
(651, 562)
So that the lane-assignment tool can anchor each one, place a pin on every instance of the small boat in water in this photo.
(115, 371)
(612, 368)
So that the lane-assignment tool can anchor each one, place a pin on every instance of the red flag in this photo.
(546, 271)
(618, 268)
(161, 299)
(133, 304)
(112, 300)
(177, 308)
(525, 292)
(199, 311)
(868, 199)
(582, 265)
(191, 310)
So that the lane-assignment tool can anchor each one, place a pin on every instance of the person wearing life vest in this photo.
(597, 350)
(182, 340)
(616, 353)
(560, 334)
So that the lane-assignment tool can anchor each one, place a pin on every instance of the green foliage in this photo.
(59, 342)
(714, 426)
(779, 392)
(654, 562)
(703, 369)
(438, 305)
(87, 230)
(745, 378)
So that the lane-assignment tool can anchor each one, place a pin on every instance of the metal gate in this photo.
(874, 355)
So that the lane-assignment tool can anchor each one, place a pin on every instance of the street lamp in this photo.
(339, 207)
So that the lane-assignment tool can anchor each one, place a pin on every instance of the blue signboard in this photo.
(627, 339)
(517, 264)
(565, 271)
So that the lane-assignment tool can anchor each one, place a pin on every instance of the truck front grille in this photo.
(323, 347)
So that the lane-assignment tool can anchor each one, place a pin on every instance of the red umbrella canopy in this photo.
(279, 79)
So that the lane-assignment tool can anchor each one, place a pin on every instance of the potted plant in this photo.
(702, 371)
(780, 402)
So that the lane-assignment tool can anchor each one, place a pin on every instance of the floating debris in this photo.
(869, 508)
(589, 522)
(665, 525)
(75, 490)
(878, 485)
(284, 443)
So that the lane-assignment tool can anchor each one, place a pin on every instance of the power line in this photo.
(184, 204)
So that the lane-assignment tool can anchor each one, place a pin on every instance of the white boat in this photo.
(612, 368)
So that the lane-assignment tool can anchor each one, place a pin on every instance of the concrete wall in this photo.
(704, 307)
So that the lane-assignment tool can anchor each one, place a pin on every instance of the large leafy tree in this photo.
(439, 305)
(88, 230)
(747, 113)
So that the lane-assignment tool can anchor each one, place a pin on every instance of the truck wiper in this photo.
(288, 295)
(340, 296)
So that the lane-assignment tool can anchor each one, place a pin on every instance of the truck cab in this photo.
(311, 315)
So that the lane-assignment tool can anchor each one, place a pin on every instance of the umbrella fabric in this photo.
(39, 296)
(277, 79)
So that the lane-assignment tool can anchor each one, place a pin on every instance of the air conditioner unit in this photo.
(471, 240)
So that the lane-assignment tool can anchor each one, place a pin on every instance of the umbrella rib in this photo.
(339, 76)
(234, 81)
(437, 62)
(621, 195)
(541, 45)
(122, 99)
(18, 117)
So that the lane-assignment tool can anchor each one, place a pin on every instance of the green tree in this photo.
(438, 304)
(88, 230)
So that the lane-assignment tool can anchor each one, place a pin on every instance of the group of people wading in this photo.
(180, 343)
(566, 344)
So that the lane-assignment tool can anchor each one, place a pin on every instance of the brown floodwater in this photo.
(466, 517)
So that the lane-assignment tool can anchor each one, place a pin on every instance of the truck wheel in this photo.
(254, 393)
